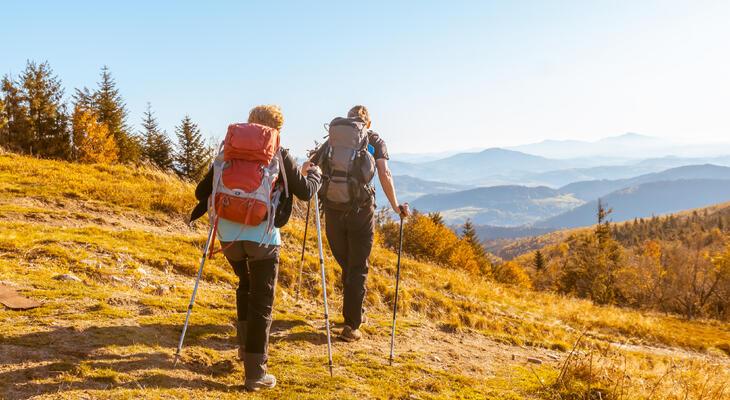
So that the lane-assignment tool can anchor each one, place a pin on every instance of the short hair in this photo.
(269, 115)
(359, 111)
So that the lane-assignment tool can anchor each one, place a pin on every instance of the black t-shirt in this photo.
(381, 150)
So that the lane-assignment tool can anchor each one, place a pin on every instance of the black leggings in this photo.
(350, 235)
(257, 268)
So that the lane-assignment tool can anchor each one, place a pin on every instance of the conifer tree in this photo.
(156, 146)
(192, 156)
(16, 135)
(539, 261)
(603, 230)
(85, 99)
(111, 110)
(47, 115)
(92, 141)
(469, 234)
(3, 119)
(436, 218)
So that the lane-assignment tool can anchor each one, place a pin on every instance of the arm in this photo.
(302, 186)
(202, 192)
(386, 182)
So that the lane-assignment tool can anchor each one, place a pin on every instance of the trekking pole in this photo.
(324, 282)
(397, 282)
(304, 245)
(192, 298)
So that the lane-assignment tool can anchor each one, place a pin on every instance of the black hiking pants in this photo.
(350, 235)
(257, 268)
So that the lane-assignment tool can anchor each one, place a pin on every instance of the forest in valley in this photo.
(677, 264)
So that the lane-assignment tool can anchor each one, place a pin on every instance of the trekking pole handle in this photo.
(402, 208)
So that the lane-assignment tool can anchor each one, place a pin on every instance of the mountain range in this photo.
(409, 188)
(592, 190)
(513, 211)
(645, 200)
(629, 145)
(496, 166)
(535, 188)
(509, 205)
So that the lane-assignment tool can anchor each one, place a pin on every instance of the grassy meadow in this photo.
(121, 231)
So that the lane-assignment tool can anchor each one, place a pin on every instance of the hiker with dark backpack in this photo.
(248, 196)
(349, 160)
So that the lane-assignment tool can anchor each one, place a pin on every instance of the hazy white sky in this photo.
(436, 75)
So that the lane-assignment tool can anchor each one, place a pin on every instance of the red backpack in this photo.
(245, 175)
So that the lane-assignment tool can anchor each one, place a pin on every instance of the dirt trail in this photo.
(70, 213)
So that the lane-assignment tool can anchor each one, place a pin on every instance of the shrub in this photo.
(424, 238)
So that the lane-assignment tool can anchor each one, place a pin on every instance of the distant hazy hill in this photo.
(647, 199)
(409, 188)
(498, 205)
(592, 190)
(629, 145)
(478, 168)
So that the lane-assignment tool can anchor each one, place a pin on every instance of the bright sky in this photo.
(436, 75)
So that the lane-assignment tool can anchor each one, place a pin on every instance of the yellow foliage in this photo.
(463, 257)
(653, 250)
(93, 142)
(427, 240)
(512, 273)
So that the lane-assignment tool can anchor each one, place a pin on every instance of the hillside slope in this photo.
(410, 188)
(112, 334)
(508, 205)
(645, 200)
(592, 190)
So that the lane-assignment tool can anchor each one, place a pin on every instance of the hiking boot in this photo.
(350, 335)
(268, 381)
(241, 338)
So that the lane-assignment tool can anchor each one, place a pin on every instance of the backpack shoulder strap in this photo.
(282, 171)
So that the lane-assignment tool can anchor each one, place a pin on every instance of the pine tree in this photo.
(539, 261)
(3, 119)
(436, 218)
(84, 98)
(17, 134)
(469, 234)
(47, 114)
(111, 110)
(92, 141)
(156, 146)
(603, 230)
(192, 156)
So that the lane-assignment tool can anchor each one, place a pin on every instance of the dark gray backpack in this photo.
(348, 166)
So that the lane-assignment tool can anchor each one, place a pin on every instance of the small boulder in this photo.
(161, 290)
(67, 277)
(534, 360)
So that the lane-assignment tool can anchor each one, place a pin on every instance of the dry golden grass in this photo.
(113, 335)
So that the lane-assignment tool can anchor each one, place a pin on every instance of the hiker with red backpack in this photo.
(349, 160)
(248, 196)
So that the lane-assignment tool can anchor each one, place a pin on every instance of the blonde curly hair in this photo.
(361, 112)
(269, 115)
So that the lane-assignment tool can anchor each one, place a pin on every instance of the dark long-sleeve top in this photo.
(302, 187)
